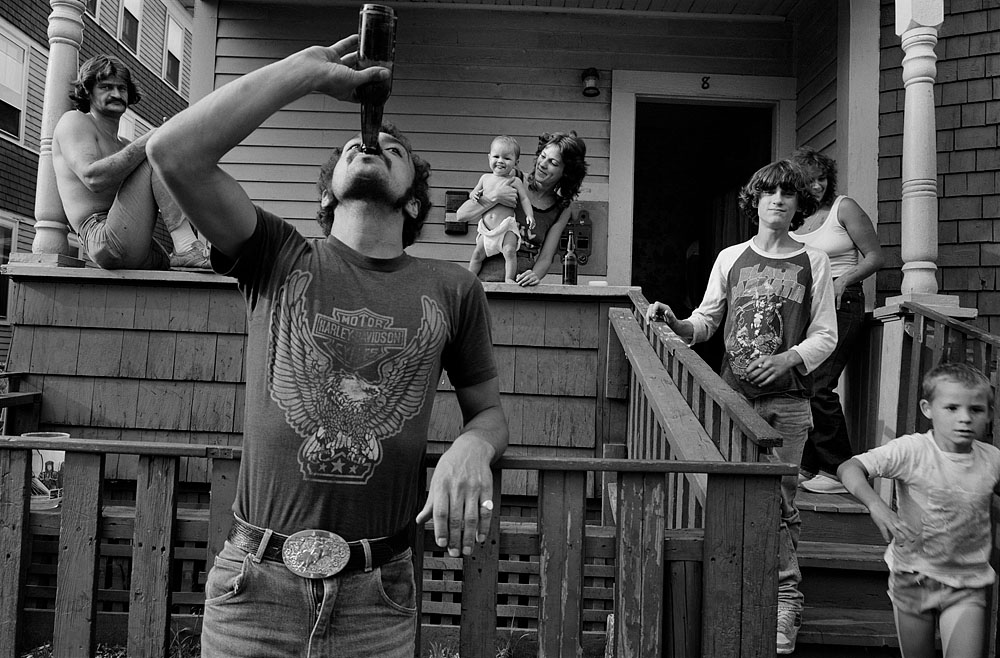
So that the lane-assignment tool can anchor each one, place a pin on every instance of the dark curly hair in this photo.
(419, 190)
(807, 157)
(95, 69)
(789, 177)
(574, 156)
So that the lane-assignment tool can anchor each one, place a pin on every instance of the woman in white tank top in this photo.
(845, 232)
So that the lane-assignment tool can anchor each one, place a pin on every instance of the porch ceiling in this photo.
(749, 8)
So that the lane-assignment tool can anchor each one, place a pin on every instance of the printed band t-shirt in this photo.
(772, 303)
(344, 353)
(946, 496)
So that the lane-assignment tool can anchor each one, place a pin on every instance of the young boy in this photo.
(939, 549)
(498, 229)
(781, 324)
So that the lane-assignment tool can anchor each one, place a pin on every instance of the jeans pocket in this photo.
(396, 584)
(226, 579)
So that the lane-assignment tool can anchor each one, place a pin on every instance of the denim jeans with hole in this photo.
(792, 419)
(260, 608)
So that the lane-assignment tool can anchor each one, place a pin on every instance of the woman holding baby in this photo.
(553, 183)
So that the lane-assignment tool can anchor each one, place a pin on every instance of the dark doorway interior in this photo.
(690, 161)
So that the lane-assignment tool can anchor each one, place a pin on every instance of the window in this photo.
(13, 65)
(129, 26)
(174, 54)
(92, 7)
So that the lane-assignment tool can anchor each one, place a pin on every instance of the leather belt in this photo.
(317, 553)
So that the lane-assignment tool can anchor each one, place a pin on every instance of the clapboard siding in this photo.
(462, 76)
(816, 72)
(153, 35)
(38, 60)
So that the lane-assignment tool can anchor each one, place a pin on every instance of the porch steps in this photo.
(844, 580)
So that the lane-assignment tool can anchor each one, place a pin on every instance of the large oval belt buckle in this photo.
(315, 553)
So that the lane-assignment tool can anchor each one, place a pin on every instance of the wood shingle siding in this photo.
(159, 356)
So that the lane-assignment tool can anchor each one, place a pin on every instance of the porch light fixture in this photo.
(590, 78)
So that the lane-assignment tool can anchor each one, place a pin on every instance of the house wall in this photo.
(159, 356)
(816, 75)
(465, 75)
(967, 114)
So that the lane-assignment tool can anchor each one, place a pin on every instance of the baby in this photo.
(498, 229)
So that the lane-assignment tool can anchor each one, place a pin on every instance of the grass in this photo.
(183, 644)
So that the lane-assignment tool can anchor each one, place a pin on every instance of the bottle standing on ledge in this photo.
(377, 47)
(570, 262)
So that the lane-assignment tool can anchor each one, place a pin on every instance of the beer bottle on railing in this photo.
(570, 262)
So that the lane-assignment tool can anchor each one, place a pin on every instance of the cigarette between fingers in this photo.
(487, 505)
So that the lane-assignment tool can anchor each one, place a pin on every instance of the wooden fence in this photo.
(734, 599)
(678, 408)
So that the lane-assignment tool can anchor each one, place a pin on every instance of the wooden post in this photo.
(65, 37)
(15, 472)
(609, 484)
(479, 588)
(891, 389)
(917, 23)
(79, 539)
(152, 552)
(225, 471)
(561, 524)
(639, 581)
(741, 514)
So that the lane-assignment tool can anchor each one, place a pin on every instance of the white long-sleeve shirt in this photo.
(775, 302)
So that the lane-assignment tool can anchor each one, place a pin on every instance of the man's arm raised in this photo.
(186, 150)
(75, 139)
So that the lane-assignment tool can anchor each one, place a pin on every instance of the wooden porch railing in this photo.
(737, 431)
(734, 553)
(678, 408)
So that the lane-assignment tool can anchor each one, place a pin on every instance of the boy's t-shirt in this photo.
(947, 496)
(344, 354)
(772, 303)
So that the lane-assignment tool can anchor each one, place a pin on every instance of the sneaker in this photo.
(195, 257)
(789, 622)
(803, 476)
(823, 484)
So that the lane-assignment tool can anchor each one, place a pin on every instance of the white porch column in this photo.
(65, 37)
(917, 23)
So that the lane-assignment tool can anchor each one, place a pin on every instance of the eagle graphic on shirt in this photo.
(316, 378)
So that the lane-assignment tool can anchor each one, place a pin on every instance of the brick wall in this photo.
(967, 113)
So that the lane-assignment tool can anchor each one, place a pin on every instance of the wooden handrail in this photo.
(597, 464)
(703, 387)
(971, 330)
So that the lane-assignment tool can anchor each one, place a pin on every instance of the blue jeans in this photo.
(829, 446)
(260, 608)
(792, 419)
(122, 238)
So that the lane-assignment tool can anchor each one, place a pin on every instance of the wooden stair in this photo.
(844, 580)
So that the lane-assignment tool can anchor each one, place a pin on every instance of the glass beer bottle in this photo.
(377, 47)
(570, 262)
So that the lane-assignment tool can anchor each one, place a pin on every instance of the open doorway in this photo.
(690, 161)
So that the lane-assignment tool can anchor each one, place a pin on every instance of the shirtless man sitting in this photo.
(108, 189)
